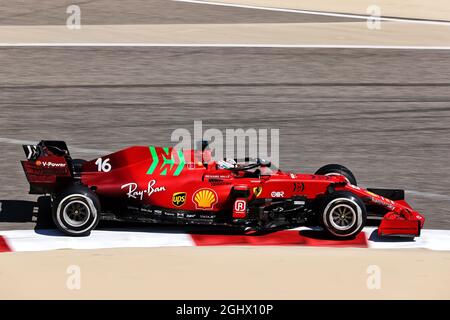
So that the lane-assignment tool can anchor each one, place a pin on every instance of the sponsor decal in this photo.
(257, 191)
(134, 193)
(205, 216)
(204, 199)
(376, 198)
(219, 182)
(239, 209)
(382, 203)
(240, 205)
(179, 199)
(299, 187)
(277, 194)
(217, 176)
(190, 165)
(218, 179)
(166, 161)
(50, 164)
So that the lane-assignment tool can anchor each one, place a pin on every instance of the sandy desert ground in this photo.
(226, 273)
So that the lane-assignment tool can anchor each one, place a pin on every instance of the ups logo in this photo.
(178, 199)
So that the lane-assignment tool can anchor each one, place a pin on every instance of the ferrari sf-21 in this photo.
(167, 185)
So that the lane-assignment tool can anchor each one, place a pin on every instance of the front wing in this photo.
(400, 220)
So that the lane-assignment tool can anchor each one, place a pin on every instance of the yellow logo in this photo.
(257, 191)
(178, 199)
(204, 199)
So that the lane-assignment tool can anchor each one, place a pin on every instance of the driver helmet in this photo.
(226, 164)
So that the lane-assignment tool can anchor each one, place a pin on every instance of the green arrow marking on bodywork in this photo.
(181, 164)
(170, 161)
(155, 160)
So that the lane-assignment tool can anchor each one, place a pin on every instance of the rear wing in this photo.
(58, 148)
(48, 166)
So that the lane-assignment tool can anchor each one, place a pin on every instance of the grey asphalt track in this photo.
(383, 113)
(53, 12)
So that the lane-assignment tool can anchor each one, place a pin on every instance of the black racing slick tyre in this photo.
(76, 211)
(342, 214)
(337, 169)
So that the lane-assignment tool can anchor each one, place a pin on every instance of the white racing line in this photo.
(42, 240)
(256, 45)
(221, 45)
(319, 13)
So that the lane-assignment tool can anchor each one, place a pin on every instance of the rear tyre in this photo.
(337, 170)
(343, 215)
(76, 211)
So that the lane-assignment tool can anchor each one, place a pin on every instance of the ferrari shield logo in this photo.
(178, 199)
(257, 191)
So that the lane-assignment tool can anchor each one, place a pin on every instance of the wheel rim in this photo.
(342, 217)
(76, 213)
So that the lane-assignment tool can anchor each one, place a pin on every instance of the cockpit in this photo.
(248, 167)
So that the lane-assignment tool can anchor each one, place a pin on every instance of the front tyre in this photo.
(337, 170)
(343, 215)
(76, 211)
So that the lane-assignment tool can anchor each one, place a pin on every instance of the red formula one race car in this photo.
(165, 185)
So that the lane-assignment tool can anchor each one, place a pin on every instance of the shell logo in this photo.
(204, 199)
